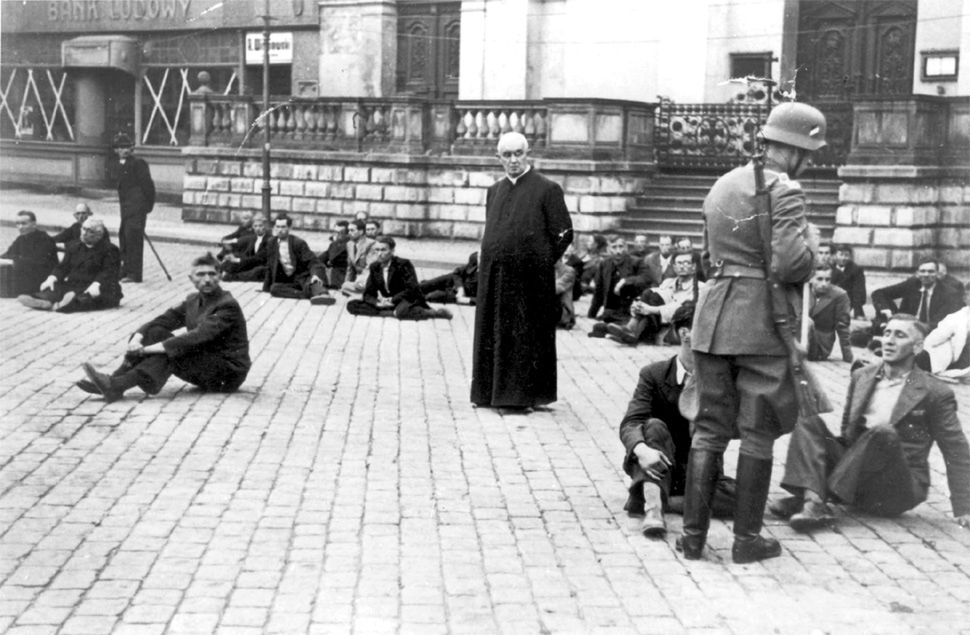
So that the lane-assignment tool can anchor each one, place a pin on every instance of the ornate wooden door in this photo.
(428, 37)
(849, 48)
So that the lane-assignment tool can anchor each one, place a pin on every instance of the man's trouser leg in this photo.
(808, 461)
(656, 436)
(359, 307)
(148, 372)
(132, 240)
(873, 475)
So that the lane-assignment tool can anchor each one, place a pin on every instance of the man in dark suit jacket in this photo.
(33, 253)
(249, 265)
(86, 279)
(212, 353)
(232, 242)
(940, 300)
(619, 280)
(335, 257)
(292, 269)
(830, 317)
(660, 264)
(656, 436)
(392, 288)
(850, 277)
(893, 414)
(136, 195)
(81, 213)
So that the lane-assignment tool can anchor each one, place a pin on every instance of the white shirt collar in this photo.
(515, 179)
(681, 372)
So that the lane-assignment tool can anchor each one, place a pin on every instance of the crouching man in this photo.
(212, 353)
(656, 435)
(894, 413)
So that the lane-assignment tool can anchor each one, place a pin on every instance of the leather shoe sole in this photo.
(324, 300)
(653, 525)
(35, 303)
(786, 507)
(102, 382)
(813, 516)
(87, 386)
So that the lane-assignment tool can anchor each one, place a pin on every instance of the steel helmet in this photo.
(122, 140)
(795, 124)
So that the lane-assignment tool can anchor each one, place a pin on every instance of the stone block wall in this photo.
(442, 197)
(894, 218)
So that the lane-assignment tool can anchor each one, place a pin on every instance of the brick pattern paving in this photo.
(350, 487)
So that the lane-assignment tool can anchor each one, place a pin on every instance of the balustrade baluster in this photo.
(290, 110)
(299, 115)
(515, 122)
(491, 126)
(461, 130)
(503, 123)
(472, 124)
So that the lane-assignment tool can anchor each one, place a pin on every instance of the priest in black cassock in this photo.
(527, 229)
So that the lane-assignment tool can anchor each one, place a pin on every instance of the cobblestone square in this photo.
(349, 486)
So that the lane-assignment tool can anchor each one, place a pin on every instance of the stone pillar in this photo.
(358, 48)
(89, 100)
(494, 49)
(906, 191)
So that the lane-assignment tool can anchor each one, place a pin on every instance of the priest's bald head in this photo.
(513, 151)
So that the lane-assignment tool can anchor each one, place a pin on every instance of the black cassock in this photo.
(527, 228)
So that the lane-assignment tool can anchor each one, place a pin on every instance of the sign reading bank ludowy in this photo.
(80, 16)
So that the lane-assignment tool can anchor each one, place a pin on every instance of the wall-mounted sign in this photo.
(280, 48)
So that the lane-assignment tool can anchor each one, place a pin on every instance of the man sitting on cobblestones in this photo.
(653, 311)
(33, 253)
(620, 278)
(232, 243)
(894, 412)
(444, 288)
(292, 269)
(212, 353)
(359, 258)
(86, 279)
(334, 257)
(248, 264)
(656, 435)
(81, 213)
(829, 317)
(392, 288)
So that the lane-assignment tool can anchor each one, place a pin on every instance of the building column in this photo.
(89, 101)
(494, 49)
(358, 48)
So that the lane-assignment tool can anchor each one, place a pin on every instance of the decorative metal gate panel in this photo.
(706, 135)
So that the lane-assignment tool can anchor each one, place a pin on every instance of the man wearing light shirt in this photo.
(292, 269)
(655, 308)
(919, 295)
(894, 413)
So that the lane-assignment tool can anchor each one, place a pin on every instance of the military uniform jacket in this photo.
(83, 265)
(733, 314)
(213, 326)
(926, 412)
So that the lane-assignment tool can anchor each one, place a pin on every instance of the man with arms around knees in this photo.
(741, 357)
(249, 264)
(656, 435)
(86, 279)
(392, 288)
(292, 269)
(359, 258)
(620, 278)
(894, 413)
(212, 353)
(653, 311)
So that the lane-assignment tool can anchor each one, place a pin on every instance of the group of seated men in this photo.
(359, 261)
(85, 278)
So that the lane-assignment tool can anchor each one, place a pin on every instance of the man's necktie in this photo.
(924, 307)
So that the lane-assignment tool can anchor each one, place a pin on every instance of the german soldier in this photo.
(744, 380)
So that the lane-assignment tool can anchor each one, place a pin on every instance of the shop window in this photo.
(941, 66)
(36, 104)
(751, 64)
(165, 106)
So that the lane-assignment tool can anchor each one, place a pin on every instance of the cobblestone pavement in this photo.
(350, 487)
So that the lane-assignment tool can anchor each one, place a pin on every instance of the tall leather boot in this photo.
(754, 479)
(703, 467)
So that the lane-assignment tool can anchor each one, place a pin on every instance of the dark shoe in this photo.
(622, 334)
(814, 515)
(785, 507)
(599, 330)
(87, 386)
(703, 469)
(753, 481)
(748, 549)
(324, 299)
(66, 300)
(35, 303)
(102, 382)
(443, 314)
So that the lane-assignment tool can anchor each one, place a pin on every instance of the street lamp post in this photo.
(267, 189)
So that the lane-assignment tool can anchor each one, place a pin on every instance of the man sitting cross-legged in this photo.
(829, 317)
(653, 311)
(212, 353)
(894, 412)
(619, 280)
(249, 265)
(656, 435)
(292, 269)
(392, 288)
(86, 279)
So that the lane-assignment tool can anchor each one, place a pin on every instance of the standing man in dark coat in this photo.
(33, 253)
(86, 279)
(81, 213)
(527, 229)
(136, 194)
(212, 353)
(744, 381)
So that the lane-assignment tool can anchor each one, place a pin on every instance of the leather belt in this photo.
(739, 271)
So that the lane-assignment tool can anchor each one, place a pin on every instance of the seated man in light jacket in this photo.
(946, 351)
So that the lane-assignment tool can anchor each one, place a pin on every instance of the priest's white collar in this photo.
(515, 179)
